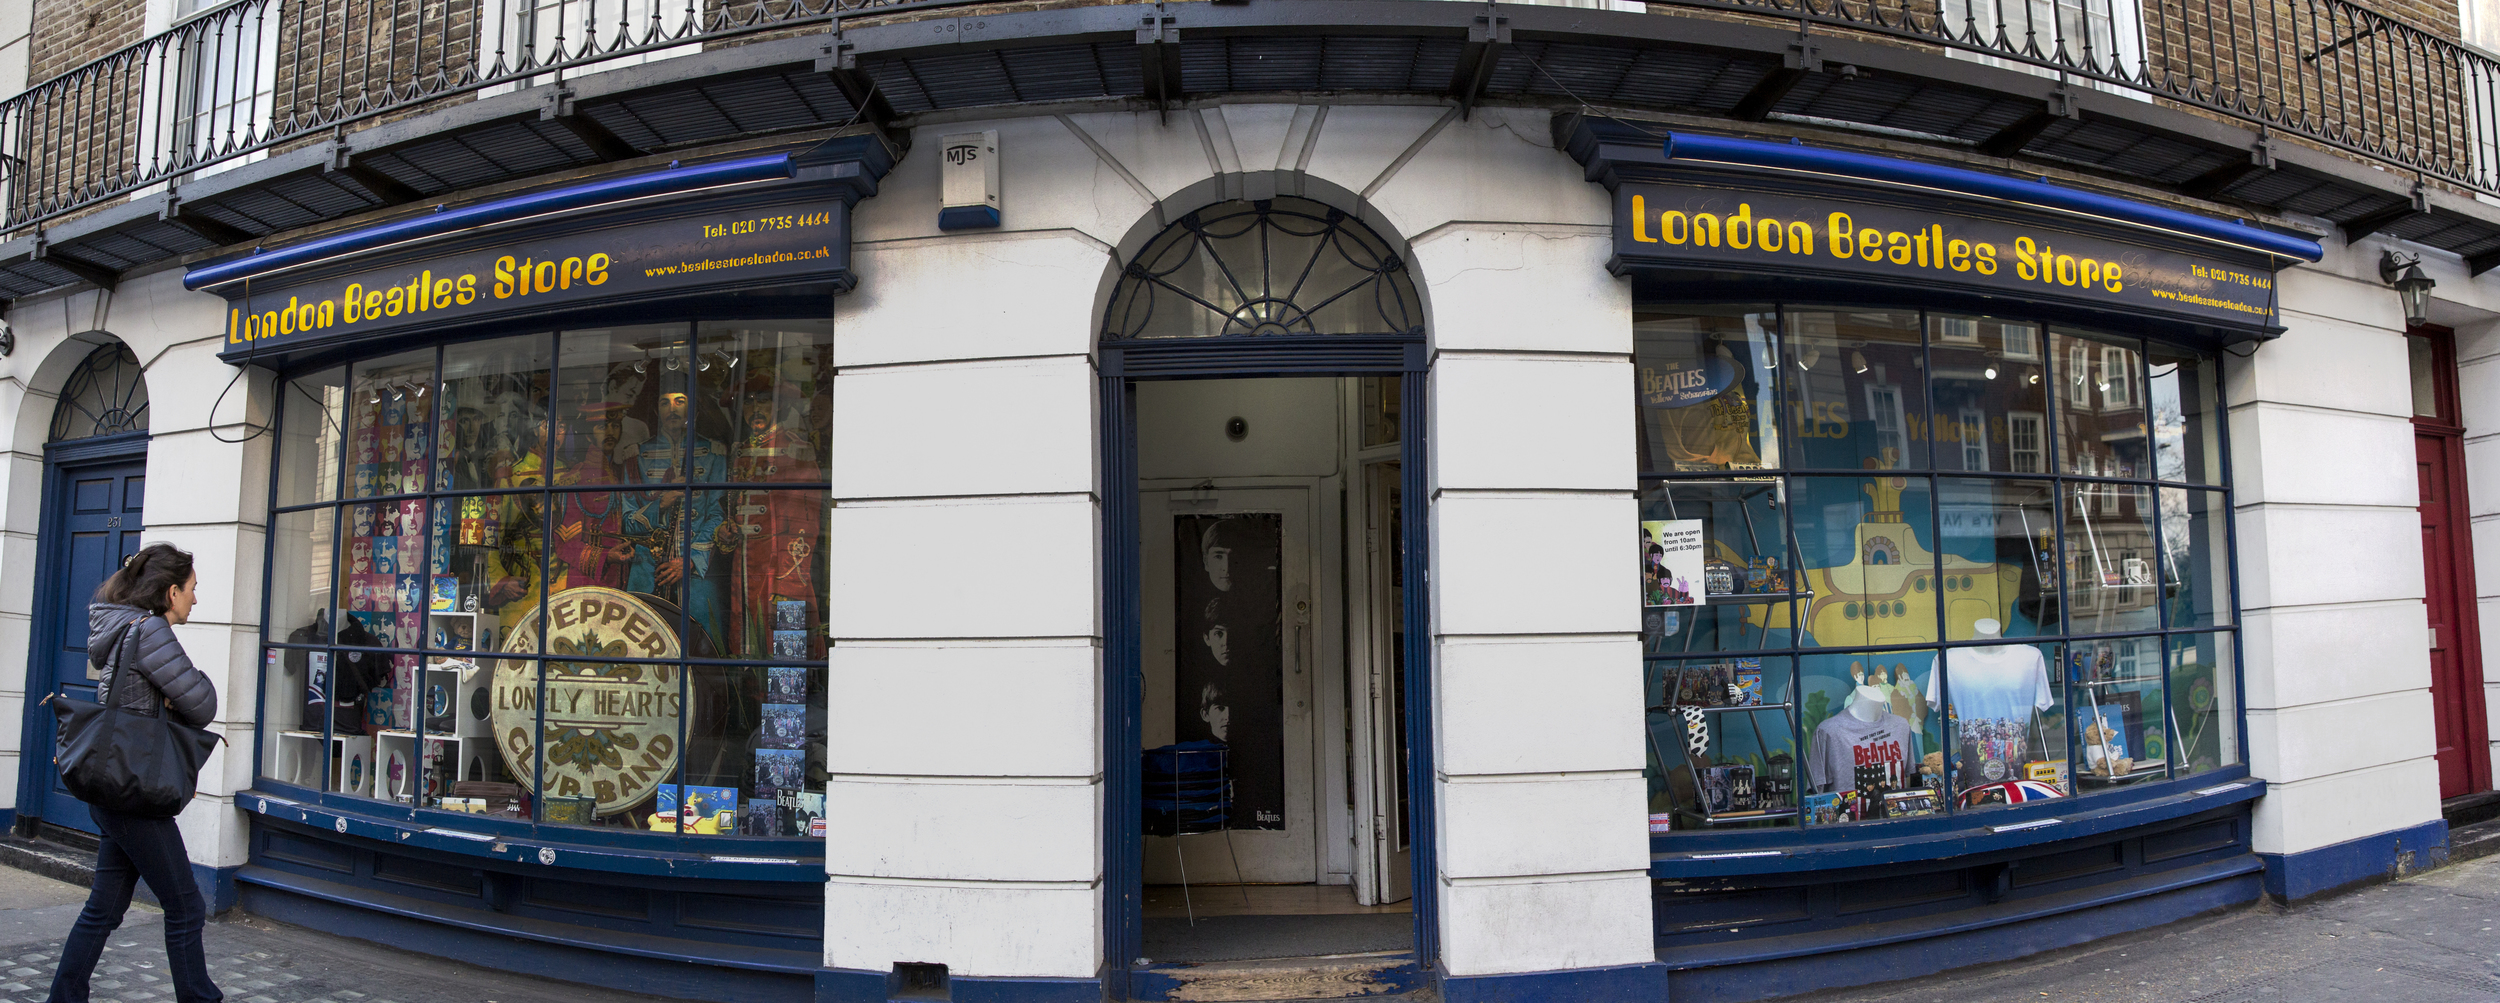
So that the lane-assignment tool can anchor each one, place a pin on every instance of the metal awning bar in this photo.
(677, 179)
(1796, 156)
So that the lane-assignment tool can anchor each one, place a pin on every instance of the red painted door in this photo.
(2450, 687)
(2448, 590)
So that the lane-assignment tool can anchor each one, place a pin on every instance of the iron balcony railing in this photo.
(234, 82)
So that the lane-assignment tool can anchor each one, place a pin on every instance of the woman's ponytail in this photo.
(147, 577)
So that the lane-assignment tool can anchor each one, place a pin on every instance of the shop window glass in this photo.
(2114, 690)
(757, 733)
(493, 415)
(295, 679)
(766, 391)
(1722, 743)
(1703, 382)
(483, 570)
(1874, 747)
(1855, 389)
(1999, 573)
(2005, 709)
(774, 575)
(609, 735)
(535, 497)
(2205, 718)
(1866, 551)
(2101, 420)
(310, 430)
(629, 386)
(1716, 574)
(390, 408)
(2196, 558)
(2109, 558)
(1978, 385)
(2037, 614)
(303, 548)
(2187, 416)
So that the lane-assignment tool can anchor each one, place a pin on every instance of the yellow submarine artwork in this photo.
(1889, 590)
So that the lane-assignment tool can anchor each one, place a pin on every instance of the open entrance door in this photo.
(1378, 677)
(1273, 709)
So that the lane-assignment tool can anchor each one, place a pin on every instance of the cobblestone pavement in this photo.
(253, 960)
(2425, 939)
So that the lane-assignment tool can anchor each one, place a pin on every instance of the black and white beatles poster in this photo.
(1230, 666)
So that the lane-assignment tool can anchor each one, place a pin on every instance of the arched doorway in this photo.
(1262, 521)
(95, 488)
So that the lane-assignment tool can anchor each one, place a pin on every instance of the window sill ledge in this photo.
(758, 863)
(1861, 845)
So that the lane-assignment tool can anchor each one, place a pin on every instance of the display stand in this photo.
(2137, 769)
(1700, 812)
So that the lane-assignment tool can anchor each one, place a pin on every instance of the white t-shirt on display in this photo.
(2005, 682)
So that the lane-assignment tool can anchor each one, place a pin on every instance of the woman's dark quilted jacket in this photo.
(166, 674)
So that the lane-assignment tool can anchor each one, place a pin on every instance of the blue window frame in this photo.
(1926, 570)
(558, 584)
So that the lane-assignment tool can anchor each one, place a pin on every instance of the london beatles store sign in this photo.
(797, 240)
(1691, 226)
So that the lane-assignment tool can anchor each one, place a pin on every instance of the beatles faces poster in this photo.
(1229, 667)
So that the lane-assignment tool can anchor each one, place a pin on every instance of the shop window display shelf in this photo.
(1755, 598)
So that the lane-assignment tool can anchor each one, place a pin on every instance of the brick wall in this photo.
(69, 34)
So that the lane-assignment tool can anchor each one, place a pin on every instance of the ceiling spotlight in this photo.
(1857, 362)
(639, 368)
(375, 396)
(1991, 372)
(2031, 376)
(1807, 358)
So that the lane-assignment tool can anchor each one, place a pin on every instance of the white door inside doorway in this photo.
(1273, 732)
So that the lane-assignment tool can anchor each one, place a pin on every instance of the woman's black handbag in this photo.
(124, 761)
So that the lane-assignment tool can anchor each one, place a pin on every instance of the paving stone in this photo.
(2426, 939)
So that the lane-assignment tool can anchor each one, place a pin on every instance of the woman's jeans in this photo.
(135, 849)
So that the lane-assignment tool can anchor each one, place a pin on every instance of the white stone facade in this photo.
(965, 412)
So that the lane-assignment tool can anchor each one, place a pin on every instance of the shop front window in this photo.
(567, 579)
(1963, 562)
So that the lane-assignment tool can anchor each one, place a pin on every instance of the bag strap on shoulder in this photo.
(119, 664)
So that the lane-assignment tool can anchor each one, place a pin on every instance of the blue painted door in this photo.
(90, 524)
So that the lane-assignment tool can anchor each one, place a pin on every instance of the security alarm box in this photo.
(968, 180)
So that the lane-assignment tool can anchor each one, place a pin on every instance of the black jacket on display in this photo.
(151, 647)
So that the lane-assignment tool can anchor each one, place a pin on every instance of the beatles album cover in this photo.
(784, 726)
(790, 614)
(780, 770)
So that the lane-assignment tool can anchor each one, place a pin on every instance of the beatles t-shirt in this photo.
(1996, 693)
(1842, 743)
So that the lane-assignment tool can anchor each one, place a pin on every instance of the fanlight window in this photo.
(104, 396)
(1282, 266)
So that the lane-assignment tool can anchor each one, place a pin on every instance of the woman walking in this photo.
(129, 626)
